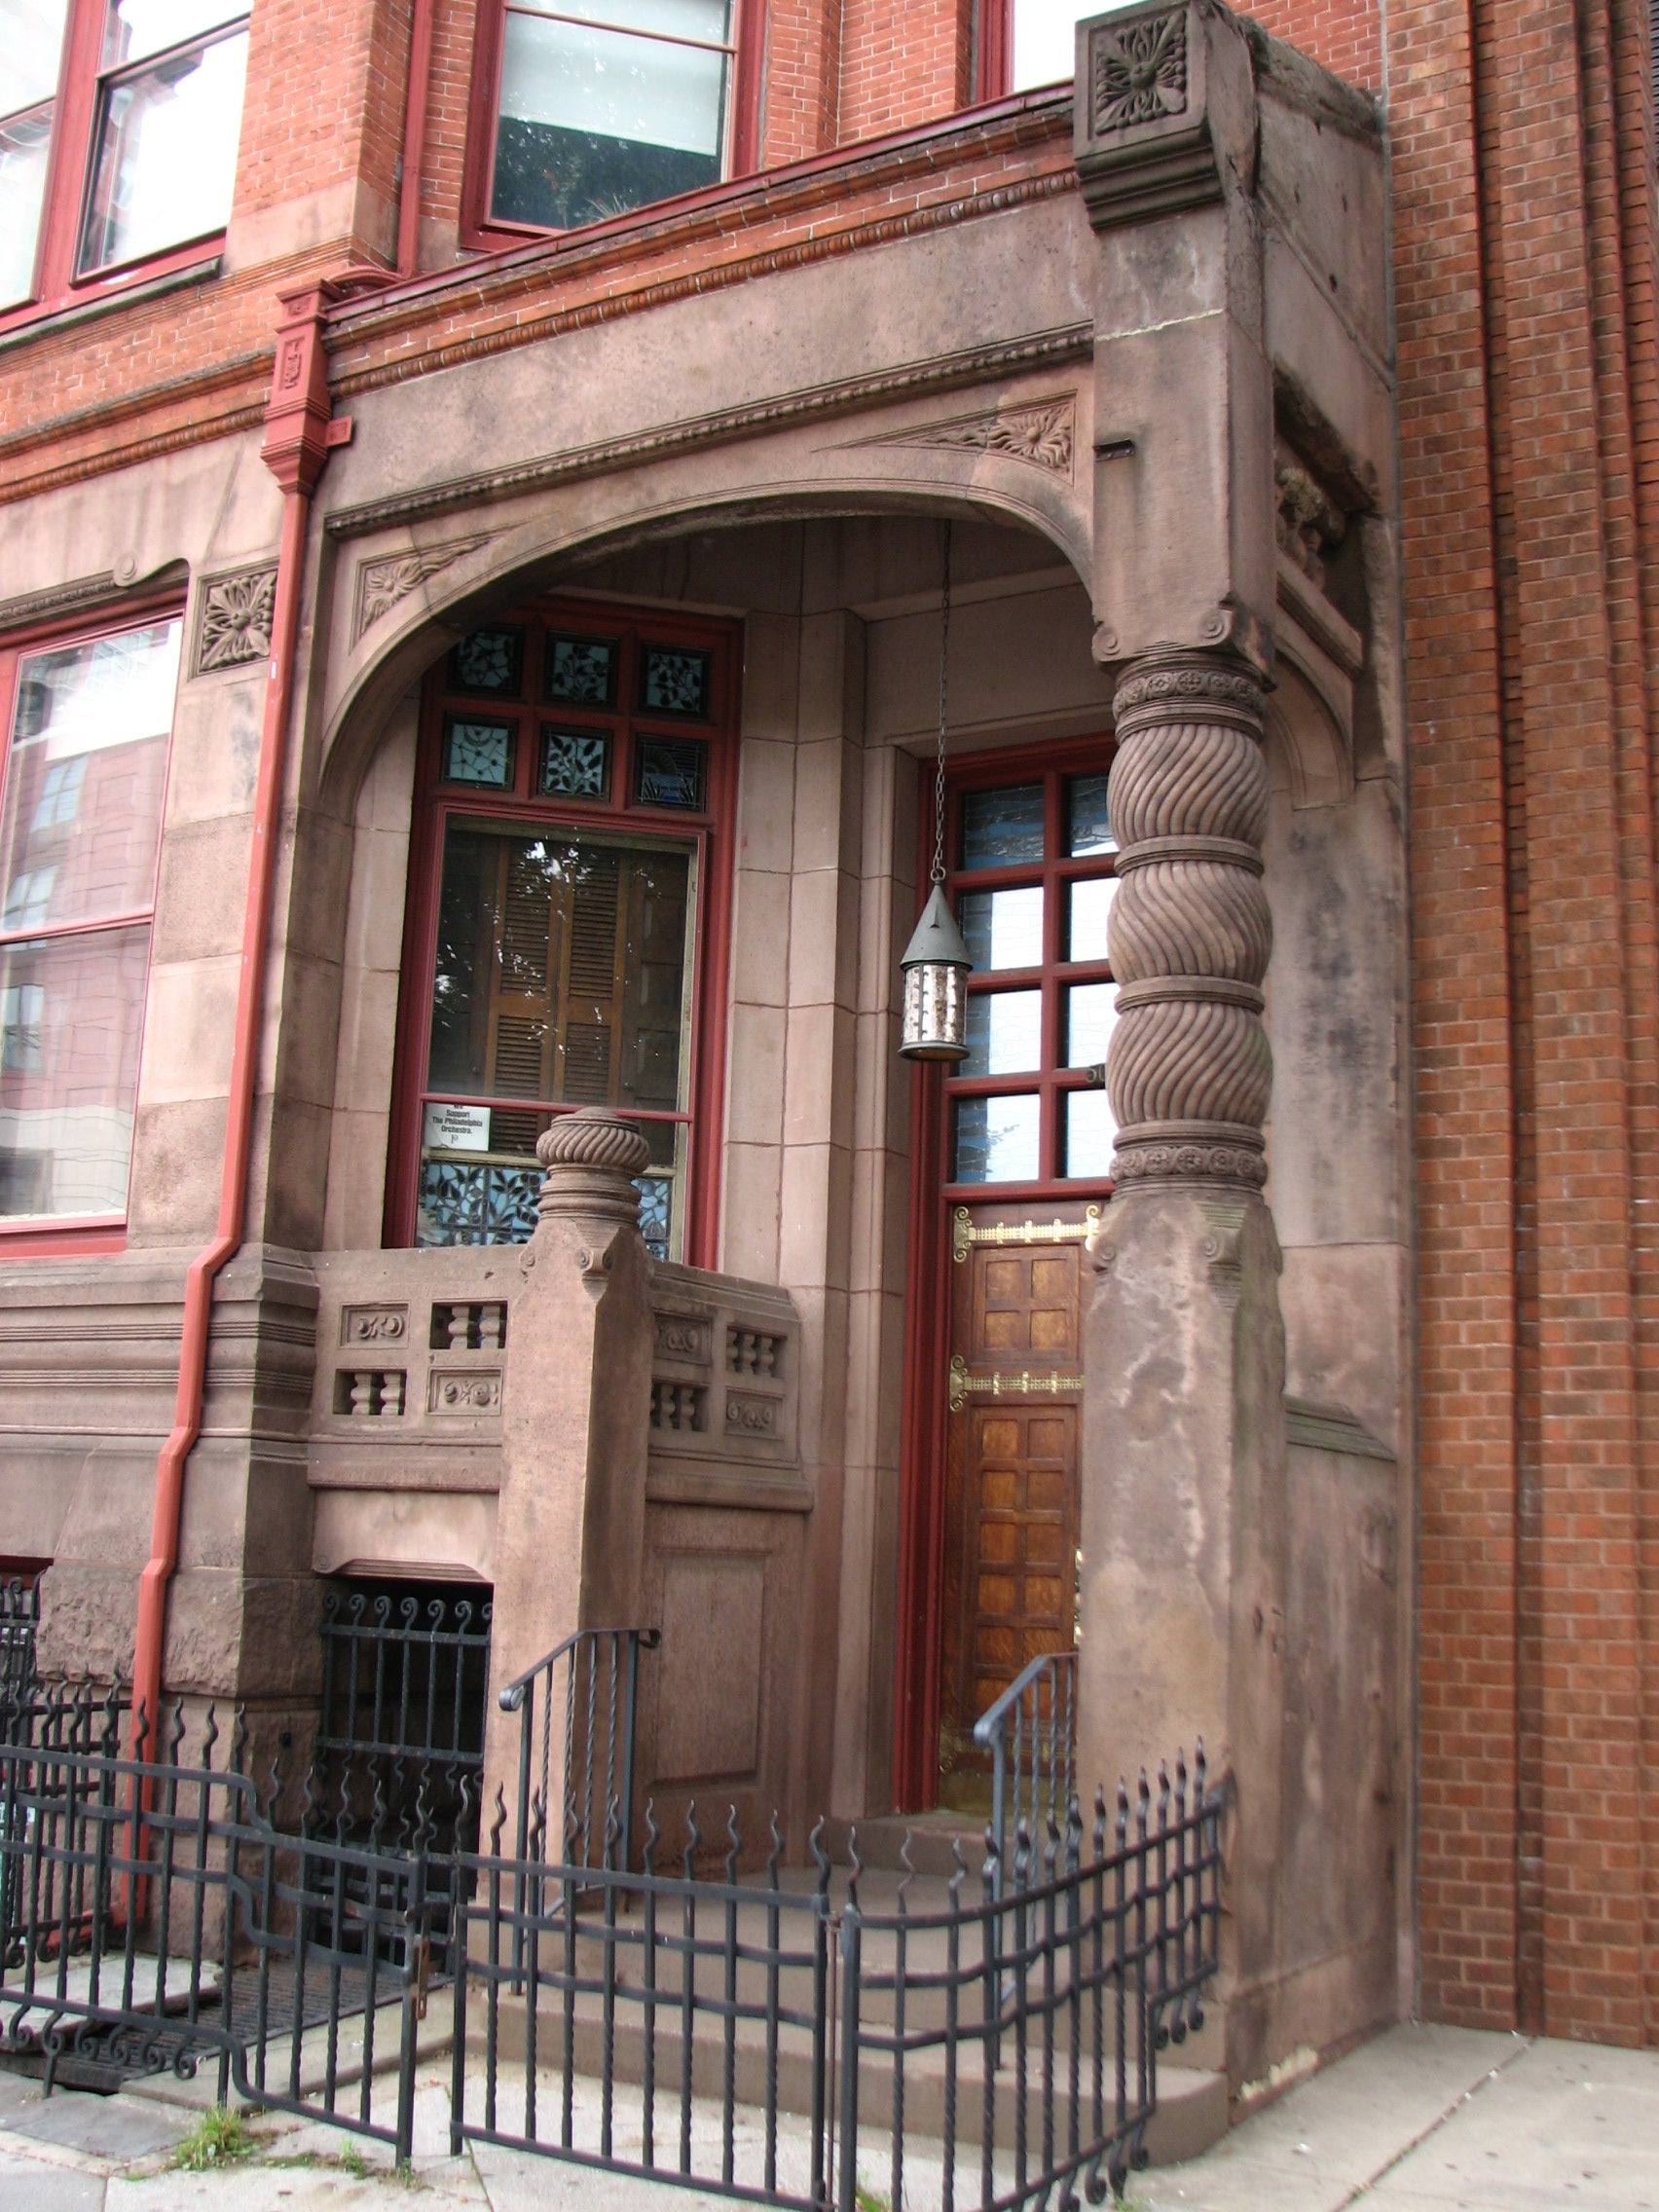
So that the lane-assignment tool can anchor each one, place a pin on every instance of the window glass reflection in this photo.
(1088, 905)
(996, 1140)
(165, 155)
(594, 122)
(70, 1015)
(1004, 929)
(1090, 1135)
(84, 776)
(1004, 1033)
(1091, 1016)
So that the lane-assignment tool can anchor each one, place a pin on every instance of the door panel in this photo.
(1010, 1466)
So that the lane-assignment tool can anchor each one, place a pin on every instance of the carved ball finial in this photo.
(591, 1158)
(594, 1136)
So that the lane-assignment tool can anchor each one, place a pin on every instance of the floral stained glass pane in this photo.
(670, 774)
(675, 683)
(479, 752)
(489, 661)
(657, 1197)
(575, 763)
(581, 671)
(1003, 827)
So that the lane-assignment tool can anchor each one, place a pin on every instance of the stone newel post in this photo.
(1184, 1450)
(575, 1421)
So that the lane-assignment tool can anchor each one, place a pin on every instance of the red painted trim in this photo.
(927, 1301)
(63, 1239)
(296, 449)
(711, 834)
(748, 83)
(414, 138)
(996, 49)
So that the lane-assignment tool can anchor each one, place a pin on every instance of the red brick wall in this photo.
(902, 65)
(1523, 164)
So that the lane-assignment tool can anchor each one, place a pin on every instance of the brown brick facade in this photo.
(1524, 258)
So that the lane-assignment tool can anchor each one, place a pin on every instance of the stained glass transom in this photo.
(581, 671)
(575, 765)
(675, 683)
(490, 661)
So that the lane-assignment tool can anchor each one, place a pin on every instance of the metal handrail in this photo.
(584, 1655)
(1043, 1748)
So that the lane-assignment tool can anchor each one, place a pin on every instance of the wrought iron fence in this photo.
(20, 1621)
(798, 2038)
(157, 1918)
(1031, 1734)
(400, 1734)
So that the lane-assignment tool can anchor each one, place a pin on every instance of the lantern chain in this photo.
(938, 874)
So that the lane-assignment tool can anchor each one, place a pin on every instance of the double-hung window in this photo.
(79, 825)
(604, 105)
(119, 121)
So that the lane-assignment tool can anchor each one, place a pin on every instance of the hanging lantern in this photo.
(936, 963)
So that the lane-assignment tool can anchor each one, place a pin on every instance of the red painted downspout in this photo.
(414, 138)
(299, 434)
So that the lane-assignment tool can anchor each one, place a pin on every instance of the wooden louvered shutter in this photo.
(590, 997)
(521, 1007)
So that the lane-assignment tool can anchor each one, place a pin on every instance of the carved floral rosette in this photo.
(1189, 1070)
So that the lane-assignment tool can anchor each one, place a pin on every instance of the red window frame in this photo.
(995, 73)
(927, 1300)
(101, 1233)
(711, 831)
(480, 230)
(68, 180)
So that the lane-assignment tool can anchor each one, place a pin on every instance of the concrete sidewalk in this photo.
(1422, 2120)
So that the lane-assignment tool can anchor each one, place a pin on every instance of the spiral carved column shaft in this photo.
(1190, 1072)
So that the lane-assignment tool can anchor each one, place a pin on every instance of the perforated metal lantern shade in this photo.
(936, 968)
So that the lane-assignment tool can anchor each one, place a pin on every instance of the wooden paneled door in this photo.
(1011, 1509)
(1010, 1465)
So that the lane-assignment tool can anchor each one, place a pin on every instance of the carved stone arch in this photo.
(518, 558)
(1309, 749)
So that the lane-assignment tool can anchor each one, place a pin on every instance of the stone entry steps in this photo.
(1192, 2092)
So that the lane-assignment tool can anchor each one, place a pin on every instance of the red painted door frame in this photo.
(927, 1317)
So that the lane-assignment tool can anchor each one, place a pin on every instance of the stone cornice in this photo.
(781, 410)
(698, 283)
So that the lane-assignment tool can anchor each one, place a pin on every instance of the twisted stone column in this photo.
(1188, 1073)
(1183, 1512)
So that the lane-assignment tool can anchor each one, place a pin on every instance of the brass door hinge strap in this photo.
(1001, 1384)
(965, 1236)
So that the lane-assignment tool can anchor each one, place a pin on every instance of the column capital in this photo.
(590, 1159)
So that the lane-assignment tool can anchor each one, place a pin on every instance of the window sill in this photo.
(61, 1239)
(36, 321)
